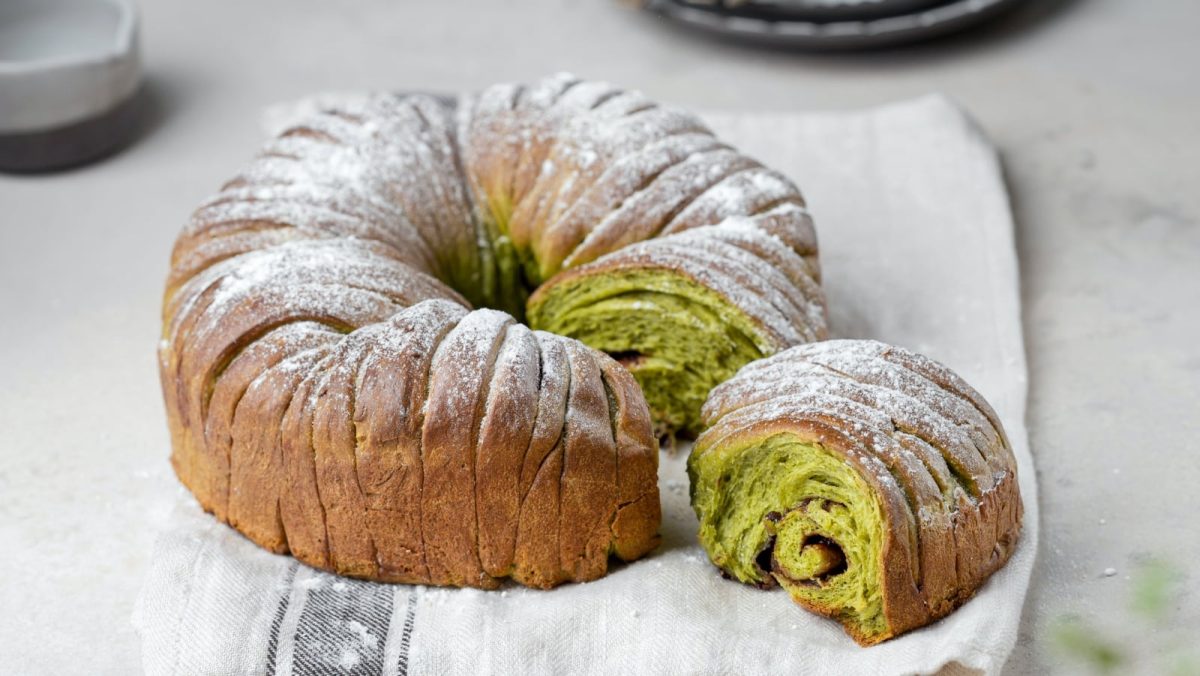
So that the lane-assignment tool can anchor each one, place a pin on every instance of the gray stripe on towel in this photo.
(343, 628)
(410, 615)
(285, 596)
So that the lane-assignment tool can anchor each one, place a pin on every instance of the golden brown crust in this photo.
(588, 483)
(389, 415)
(505, 435)
(638, 507)
(537, 553)
(460, 374)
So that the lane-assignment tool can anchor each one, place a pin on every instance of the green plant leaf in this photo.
(1083, 643)
(1153, 590)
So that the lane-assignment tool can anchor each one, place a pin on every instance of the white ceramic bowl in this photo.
(65, 67)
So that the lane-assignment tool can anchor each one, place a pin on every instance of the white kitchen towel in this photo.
(917, 250)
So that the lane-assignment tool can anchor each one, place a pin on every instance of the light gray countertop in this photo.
(1094, 104)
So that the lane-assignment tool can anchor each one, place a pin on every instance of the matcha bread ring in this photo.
(345, 370)
(870, 482)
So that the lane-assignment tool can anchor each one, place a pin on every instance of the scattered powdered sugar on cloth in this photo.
(916, 249)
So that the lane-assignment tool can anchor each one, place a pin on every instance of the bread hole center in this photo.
(822, 558)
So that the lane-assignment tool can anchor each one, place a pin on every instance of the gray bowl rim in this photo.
(123, 43)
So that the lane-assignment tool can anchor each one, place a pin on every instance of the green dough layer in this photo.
(501, 279)
(778, 509)
(679, 339)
